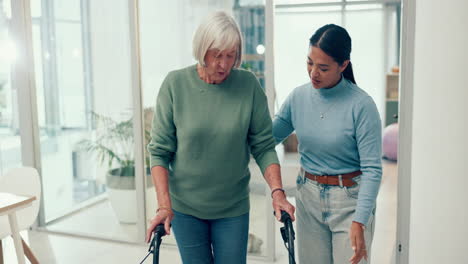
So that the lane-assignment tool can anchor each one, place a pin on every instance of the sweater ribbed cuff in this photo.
(362, 217)
(266, 159)
(159, 162)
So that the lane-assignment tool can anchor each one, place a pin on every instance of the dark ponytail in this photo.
(348, 73)
(336, 43)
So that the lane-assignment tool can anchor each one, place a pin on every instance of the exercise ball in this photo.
(390, 142)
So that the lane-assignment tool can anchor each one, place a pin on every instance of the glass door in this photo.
(10, 142)
(85, 115)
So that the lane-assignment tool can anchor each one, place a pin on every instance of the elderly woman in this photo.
(208, 118)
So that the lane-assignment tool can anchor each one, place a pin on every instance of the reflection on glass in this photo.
(10, 143)
(174, 51)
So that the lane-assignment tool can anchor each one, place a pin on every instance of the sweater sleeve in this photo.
(163, 142)
(260, 137)
(282, 124)
(369, 144)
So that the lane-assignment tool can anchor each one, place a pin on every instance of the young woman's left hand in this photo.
(280, 203)
(358, 243)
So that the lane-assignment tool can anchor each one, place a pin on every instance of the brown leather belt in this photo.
(334, 179)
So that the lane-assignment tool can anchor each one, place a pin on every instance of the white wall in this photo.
(439, 176)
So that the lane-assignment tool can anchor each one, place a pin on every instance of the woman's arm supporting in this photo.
(282, 124)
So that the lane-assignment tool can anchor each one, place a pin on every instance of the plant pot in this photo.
(122, 196)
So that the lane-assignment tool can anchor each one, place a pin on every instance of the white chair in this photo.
(23, 181)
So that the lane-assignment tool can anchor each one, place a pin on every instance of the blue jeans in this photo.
(324, 215)
(218, 241)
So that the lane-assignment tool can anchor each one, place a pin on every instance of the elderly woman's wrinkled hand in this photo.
(280, 203)
(162, 217)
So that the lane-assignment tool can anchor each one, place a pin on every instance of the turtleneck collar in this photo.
(329, 93)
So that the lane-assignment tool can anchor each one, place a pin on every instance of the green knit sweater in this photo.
(204, 134)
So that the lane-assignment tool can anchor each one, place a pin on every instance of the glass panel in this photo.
(312, 2)
(393, 51)
(363, 7)
(36, 8)
(10, 142)
(250, 2)
(174, 51)
(70, 75)
(38, 53)
(307, 9)
(86, 135)
(5, 9)
(67, 9)
(368, 53)
(292, 33)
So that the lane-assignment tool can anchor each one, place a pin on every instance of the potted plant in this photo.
(113, 146)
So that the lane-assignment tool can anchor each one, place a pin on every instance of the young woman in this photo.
(339, 133)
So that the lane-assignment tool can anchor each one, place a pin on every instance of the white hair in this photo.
(218, 31)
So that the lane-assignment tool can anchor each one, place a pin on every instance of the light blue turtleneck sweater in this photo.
(347, 139)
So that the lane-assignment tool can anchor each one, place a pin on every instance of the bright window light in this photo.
(260, 49)
(7, 51)
(76, 53)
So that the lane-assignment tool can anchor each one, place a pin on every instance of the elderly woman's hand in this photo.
(280, 203)
(163, 216)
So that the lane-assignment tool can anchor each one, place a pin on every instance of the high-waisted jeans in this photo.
(324, 216)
